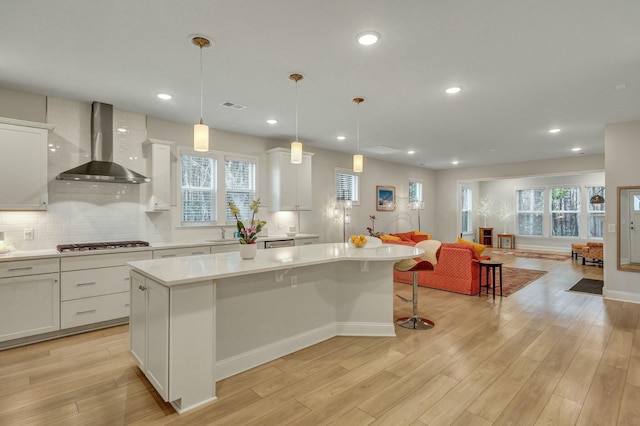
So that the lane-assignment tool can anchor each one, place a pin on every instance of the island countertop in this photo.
(189, 269)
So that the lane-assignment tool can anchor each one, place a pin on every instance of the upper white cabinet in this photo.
(160, 160)
(289, 184)
(23, 176)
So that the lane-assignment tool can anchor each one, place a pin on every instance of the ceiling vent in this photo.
(229, 104)
(381, 150)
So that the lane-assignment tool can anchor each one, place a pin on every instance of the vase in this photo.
(248, 251)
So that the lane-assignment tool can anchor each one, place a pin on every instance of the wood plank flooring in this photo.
(541, 356)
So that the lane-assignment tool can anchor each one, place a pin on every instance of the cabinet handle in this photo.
(83, 284)
(141, 287)
(85, 312)
(26, 268)
(168, 255)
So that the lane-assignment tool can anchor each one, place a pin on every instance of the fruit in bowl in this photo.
(358, 240)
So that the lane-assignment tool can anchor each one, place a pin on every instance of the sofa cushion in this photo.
(404, 236)
(479, 248)
(419, 237)
(387, 237)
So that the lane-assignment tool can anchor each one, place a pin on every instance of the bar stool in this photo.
(415, 322)
(489, 265)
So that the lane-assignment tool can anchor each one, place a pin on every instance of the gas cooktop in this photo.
(63, 248)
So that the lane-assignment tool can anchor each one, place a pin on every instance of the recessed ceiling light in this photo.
(341, 138)
(455, 162)
(164, 96)
(368, 38)
(576, 149)
(556, 130)
(411, 152)
(453, 90)
(272, 121)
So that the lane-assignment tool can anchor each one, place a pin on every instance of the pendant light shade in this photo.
(201, 130)
(358, 159)
(296, 146)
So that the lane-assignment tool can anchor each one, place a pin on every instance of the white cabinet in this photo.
(172, 337)
(289, 184)
(183, 251)
(95, 288)
(29, 298)
(160, 161)
(23, 178)
(228, 248)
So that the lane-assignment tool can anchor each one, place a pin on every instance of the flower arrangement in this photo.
(372, 229)
(248, 235)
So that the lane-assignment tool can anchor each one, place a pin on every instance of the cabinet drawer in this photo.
(20, 268)
(227, 248)
(306, 241)
(93, 282)
(177, 252)
(74, 263)
(74, 313)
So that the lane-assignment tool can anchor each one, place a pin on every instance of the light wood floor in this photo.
(541, 356)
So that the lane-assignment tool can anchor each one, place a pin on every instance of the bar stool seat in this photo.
(415, 322)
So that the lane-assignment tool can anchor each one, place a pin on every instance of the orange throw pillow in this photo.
(479, 248)
(405, 236)
(420, 237)
(385, 237)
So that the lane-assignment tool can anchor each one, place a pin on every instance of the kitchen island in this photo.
(199, 319)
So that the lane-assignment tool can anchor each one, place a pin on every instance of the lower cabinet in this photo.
(307, 241)
(29, 305)
(172, 336)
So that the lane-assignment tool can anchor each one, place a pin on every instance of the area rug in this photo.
(587, 285)
(513, 279)
(535, 254)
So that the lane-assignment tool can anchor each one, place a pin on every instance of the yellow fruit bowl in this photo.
(357, 241)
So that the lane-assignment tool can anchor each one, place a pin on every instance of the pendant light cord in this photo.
(358, 128)
(296, 110)
(201, 89)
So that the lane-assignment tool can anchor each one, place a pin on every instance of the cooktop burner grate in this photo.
(62, 248)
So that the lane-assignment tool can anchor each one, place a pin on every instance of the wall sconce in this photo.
(417, 205)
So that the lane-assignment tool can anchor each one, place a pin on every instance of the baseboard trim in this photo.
(622, 296)
(365, 329)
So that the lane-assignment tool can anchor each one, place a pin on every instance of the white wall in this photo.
(447, 182)
(89, 212)
(622, 151)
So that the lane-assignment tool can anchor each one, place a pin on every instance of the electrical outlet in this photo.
(28, 234)
(294, 281)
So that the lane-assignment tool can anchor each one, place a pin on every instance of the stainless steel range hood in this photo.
(101, 168)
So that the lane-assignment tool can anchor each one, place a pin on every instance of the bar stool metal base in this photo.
(415, 323)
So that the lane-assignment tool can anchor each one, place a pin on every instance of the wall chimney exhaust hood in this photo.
(101, 168)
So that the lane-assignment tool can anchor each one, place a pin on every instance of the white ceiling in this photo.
(525, 66)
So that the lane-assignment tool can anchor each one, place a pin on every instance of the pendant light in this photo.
(358, 159)
(201, 130)
(296, 146)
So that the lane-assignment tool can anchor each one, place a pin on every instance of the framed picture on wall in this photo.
(385, 198)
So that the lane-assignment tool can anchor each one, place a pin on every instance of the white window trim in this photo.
(347, 172)
(579, 212)
(421, 194)
(221, 193)
(460, 210)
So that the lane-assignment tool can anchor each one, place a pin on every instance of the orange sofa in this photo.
(456, 270)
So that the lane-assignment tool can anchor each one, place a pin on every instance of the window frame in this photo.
(220, 190)
(541, 212)
(469, 210)
(419, 190)
(229, 219)
(356, 176)
(563, 212)
(598, 212)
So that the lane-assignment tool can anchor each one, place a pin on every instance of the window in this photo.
(466, 210)
(530, 210)
(198, 189)
(240, 185)
(415, 190)
(347, 186)
(565, 212)
(595, 212)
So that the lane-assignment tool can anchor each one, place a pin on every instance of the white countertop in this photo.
(49, 253)
(182, 270)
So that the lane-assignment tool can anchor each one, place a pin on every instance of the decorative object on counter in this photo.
(358, 159)
(293, 231)
(358, 241)
(248, 235)
(386, 196)
(296, 146)
(372, 228)
(201, 130)
(417, 205)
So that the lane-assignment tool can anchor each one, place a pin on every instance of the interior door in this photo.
(634, 226)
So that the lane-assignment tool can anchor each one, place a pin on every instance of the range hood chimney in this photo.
(101, 168)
